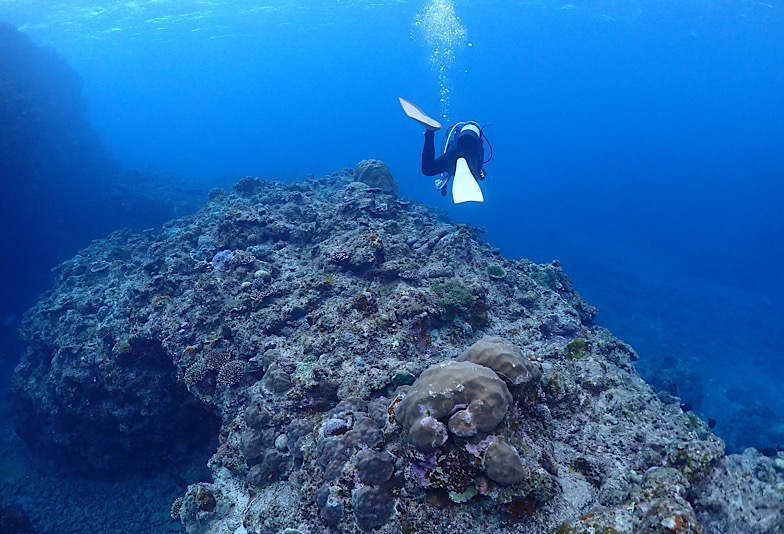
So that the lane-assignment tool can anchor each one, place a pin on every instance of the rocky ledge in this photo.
(366, 365)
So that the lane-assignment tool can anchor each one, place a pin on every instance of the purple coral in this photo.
(329, 503)
(335, 427)
(220, 261)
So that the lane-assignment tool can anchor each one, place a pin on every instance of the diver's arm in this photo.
(431, 165)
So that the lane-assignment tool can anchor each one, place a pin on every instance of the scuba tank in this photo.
(470, 132)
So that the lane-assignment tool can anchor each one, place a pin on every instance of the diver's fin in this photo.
(464, 186)
(420, 116)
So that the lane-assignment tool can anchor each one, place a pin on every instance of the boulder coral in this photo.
(506, 359)
(473, 395)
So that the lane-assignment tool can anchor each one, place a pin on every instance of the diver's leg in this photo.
(429, 154)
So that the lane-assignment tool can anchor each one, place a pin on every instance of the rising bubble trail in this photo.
(442, 32)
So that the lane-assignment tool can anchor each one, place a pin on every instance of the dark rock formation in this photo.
(13, 520)
(61, 187)
(51, 161)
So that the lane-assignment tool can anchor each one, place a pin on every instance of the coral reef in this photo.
(368, 373)
(453, 298)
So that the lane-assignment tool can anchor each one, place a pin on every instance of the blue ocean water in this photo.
(640, 143)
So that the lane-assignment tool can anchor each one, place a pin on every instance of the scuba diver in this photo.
(462, 155)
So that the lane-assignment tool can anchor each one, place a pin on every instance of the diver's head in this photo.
(468, 137)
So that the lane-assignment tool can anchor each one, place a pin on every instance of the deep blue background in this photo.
(638, 142)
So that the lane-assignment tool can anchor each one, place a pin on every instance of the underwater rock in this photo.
(123, 407)
(375, 173)
(554, 325)
(347, 350)
(502, 463)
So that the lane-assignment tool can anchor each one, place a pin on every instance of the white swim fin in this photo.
(413, 111)
(464, 186)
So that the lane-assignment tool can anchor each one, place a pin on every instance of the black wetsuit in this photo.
(447, 162)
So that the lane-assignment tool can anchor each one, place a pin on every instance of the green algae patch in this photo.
(464, 496)
(453, 298)
(496, 271)
(575, 349)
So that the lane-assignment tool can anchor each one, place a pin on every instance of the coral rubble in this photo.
(371, 369)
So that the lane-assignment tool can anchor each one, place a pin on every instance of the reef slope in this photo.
(292, 321)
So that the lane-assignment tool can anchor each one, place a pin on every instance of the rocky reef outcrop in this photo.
(372, 367)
